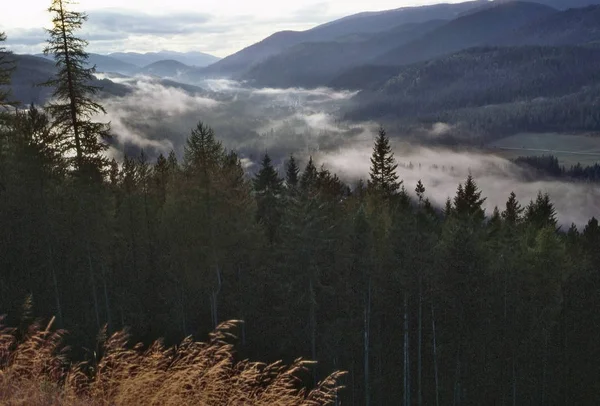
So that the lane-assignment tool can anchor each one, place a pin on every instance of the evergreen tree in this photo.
(448, 206)
(541, 212)
(468, 201)
(591, 242)
(73, 105)
(420, 190)
(308, 180)
(202, 154)
(496, 219)
(6, 69)
(382, 176)
(292, 173)
(268, 187)
(512, 213)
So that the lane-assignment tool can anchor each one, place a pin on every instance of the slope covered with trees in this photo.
(487, 91)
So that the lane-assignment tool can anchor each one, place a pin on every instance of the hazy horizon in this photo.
(217, 29)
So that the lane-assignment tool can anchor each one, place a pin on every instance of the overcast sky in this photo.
(218, 27)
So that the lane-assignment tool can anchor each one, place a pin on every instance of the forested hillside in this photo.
(488, 90)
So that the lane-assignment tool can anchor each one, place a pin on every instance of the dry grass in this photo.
(35, 371)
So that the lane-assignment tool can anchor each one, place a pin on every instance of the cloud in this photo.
(149, 104)
(130, 22)
(26, 37)
(158, 118)
(119, 29)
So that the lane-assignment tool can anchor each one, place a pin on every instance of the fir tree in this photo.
(73, 105)
(468, 201)
(268, 187)
(6, 69)
(448, 206)
(202, 153)
(292, 173)
(496, 219)
(308, 180)
(513, 211)
(541, 212)
(383, 177)
(420, 190)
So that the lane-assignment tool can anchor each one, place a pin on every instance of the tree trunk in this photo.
(106, 300)
(93, 283)
(420, 333)
(313, 325)
(72, 95)
(514, 381)
(367, 322)
(406, 354)
(435, 363)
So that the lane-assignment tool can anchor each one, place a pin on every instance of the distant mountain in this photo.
(479, 28)
(364, 77)
(198, 59)
(105, 64)
(165, 69)
(481, 77)
(108, 64)
(31, 71)
(570, 27)
(312, 64)
(363, 23)
(563, 4)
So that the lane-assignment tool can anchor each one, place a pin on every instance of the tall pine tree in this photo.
(382, 176)
(268, 187)
(292, 173)
(6, 69)
(73, 106)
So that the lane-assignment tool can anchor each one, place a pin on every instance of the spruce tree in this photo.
(541, 212)
(468, 201)
(383, 177)
(268, 187)
(420, 190)
(73, 105)
(512, 213)
(308, 180)
(202, 153)
(292, 173)
(6, 69)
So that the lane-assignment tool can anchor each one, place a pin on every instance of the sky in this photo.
(217, 27)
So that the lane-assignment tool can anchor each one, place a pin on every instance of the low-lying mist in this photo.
(158, 117)
(441, 170)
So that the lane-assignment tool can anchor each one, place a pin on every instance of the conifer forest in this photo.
(413, 303)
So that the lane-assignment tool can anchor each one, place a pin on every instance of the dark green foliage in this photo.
(541, 212)
(548, 165)
(512, 214)
(468, 202)
(382, 176)
(74, 106)
(171, 249)
(420, 190)
(6, 69)
(268, 188)
(292, 173)
(308, 180)
(344, 277)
